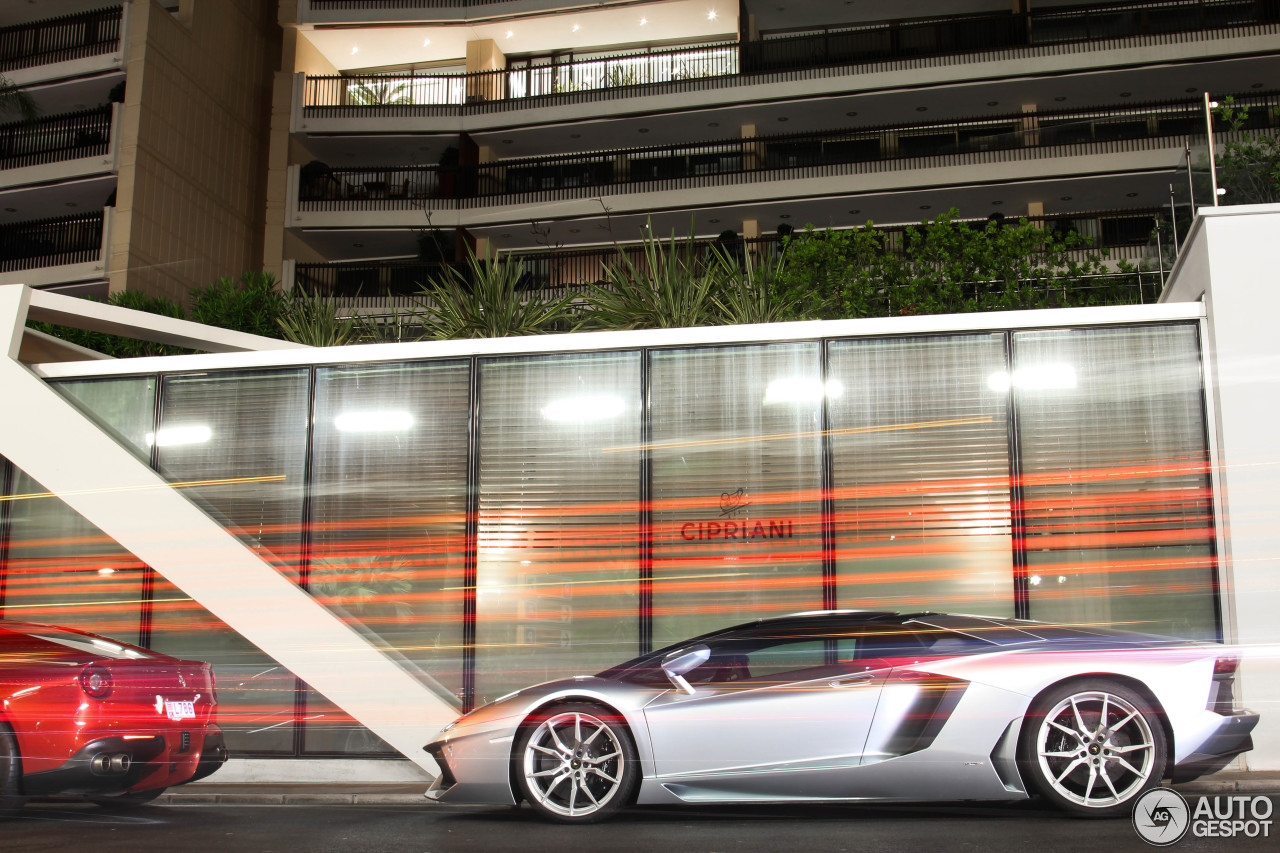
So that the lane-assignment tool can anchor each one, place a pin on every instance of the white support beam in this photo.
(54, 443)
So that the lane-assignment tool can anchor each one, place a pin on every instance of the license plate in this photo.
(180, 710)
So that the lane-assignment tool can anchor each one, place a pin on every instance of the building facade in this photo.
(146, 168)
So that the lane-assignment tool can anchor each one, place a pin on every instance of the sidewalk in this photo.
(411, 794)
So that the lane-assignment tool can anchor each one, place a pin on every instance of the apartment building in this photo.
(146, 168)
(407, 130)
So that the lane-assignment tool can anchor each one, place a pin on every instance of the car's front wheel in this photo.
(10, 773)
(1091, 748)
(576, 763)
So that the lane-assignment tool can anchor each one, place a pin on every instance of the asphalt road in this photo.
(437, 828)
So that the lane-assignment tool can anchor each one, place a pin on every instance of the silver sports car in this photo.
(856, 705)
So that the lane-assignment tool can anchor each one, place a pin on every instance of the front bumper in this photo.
(1232, 737)
(474, 768)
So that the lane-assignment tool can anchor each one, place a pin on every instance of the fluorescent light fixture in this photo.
(589, 407)
(373, 421)
(174, 436)
(801, 389)
(1039, 377)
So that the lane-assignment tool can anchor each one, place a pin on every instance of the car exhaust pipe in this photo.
(107, 764)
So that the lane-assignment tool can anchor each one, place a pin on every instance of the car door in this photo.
(796, 711)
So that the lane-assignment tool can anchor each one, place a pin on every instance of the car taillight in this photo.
(1225, 668)
(96, 681)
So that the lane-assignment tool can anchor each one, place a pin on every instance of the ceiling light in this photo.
(1064, 198)
(426, 42)
(576, 28)
(642, 130)
(1061, 98)
(784, 215)
(922, 109)
(711, 16)
(72, 204)
(855, 212)
(106, 570)
(851, 113)
(783, 118)
(172, 436)
(644, 21)
(1191, 89)
(373, 421)
(997, 203)
(505, 236)
(925, 206)
(714, 221)
(1254, 86)
(11, 210)
(574, 230)
(1038, 377)
(354, 50)
(713, 124)
(993, 103)
(510, 33)
(575, 136)
(507, 141)
(357, 245)
(1130, 195)
(589, 407)
(802, 389)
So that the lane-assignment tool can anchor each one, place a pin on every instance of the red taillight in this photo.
(1225, 667)
(96, 681)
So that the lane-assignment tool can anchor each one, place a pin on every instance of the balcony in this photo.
(770, 165)
(382, 286)
(44, 150)
(26, 47)
(871, 47)
(57, 251)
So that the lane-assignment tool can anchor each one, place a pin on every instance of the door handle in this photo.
(851, 680)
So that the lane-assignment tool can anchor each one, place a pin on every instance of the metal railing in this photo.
(761, 158)
(60, 39)
(51, 242)
(561, 272)
(393, 94)
(881, 41)
(872, 44)
(53, 138)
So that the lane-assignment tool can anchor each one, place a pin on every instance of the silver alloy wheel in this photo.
(1096, 749)
(573, 764)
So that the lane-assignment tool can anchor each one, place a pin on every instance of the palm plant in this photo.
(484, 300)
(15, 100)
(669, 289)
(750, 291)
(312, 319)
(379, 94)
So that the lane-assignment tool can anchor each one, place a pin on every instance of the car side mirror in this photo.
(676, 664)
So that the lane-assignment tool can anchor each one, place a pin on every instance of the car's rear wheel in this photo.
(130, 800)
(10, 773)
(1091, 748)
(576, 763)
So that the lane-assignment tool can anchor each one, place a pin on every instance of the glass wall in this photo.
(235, 443)
(920, 474)
(558, 538)
(1119, 511)
(60, 568)
(737, 478)
(493, 522)
(388, 521)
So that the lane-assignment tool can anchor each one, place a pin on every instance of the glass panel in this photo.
(62, 569)
(920, 473)
(388, 520)
(65, 571)
(1118, 502)
(237, 441)
(736, 486)
(557, 559)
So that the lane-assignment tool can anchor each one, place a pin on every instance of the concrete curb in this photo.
(412, 795)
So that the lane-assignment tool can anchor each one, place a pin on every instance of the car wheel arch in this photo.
(571, 699)
(1126, 680)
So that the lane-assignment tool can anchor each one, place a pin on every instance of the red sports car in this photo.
(86, 716)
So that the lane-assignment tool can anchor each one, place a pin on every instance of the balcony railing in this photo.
(563, 272)
(839, 45)
(885, 41)
(390, 94)
(728, 161)
(60, 39)
(54, 138)
(51, 242)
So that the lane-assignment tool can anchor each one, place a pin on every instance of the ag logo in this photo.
(1161, 816)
